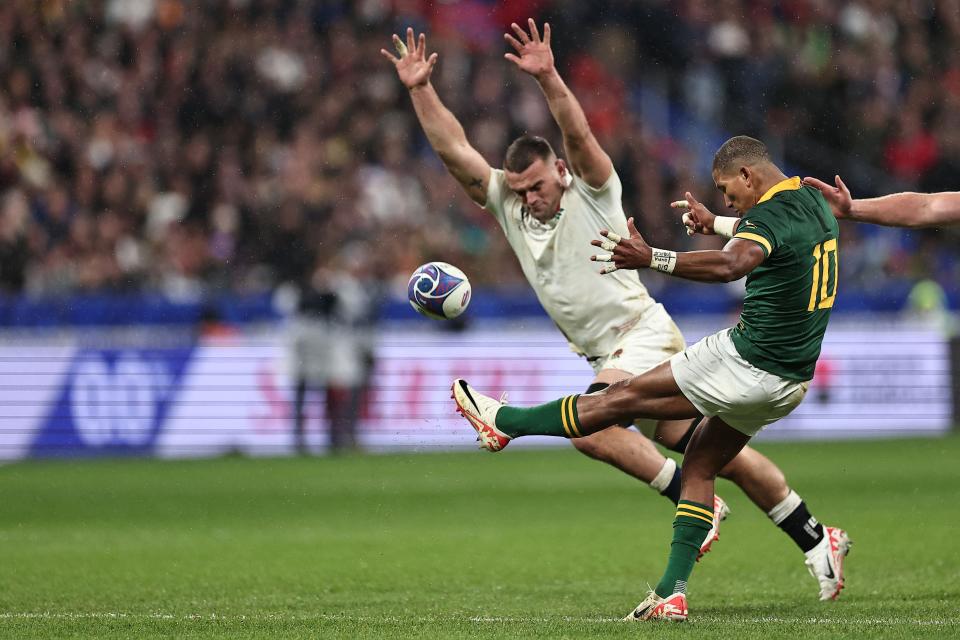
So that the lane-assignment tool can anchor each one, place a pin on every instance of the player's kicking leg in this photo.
(654, 394)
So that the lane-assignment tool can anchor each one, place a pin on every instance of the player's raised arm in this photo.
(735, 260)
(906, 209)
(534, 56)
(444, 131)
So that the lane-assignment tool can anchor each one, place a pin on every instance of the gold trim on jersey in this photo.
(756, 238)
(790, 184)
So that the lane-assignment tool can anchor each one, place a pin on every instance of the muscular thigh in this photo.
(652, 394)
(613, 441)
(659, 381)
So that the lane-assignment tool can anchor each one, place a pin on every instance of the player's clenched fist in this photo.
(625, 253)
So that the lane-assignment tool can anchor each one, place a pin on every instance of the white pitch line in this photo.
(734, 620)
(109, 615)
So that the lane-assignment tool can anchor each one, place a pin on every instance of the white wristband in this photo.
(724, 226)
(663, 260)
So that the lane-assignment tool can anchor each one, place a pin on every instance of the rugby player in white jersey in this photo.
(550, 211)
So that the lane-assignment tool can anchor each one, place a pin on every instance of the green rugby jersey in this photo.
(789, 296)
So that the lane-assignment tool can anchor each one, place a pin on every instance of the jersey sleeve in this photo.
(761, 226)
(497, 192)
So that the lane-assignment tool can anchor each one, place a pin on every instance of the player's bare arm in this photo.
(906, 209)
(535, 57)
(738, 258)
(445, 133)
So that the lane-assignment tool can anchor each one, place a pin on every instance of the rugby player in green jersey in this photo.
(740, 379)
(549, 209)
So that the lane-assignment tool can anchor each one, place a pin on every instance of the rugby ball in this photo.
(439, 290)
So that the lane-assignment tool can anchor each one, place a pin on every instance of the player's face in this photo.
(737, 190)
(540, 186)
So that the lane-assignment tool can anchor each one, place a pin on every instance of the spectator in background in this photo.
(332, 345)
(186, 147)
(14, 248)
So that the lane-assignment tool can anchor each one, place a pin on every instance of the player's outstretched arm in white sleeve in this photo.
(535, 56)
(444, 131)
(906, 209)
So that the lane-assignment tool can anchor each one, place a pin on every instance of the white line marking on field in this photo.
(111, 615)
(732, 620)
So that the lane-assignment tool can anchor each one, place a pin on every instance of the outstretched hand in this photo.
(626, 253)
(696, 217)
(413, 66)
(837, 197)
(535, 56)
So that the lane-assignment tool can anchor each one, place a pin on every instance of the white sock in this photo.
(789, 504)
(663, 478)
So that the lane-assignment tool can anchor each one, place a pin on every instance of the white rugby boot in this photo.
(825, 561)
(672, 609)
(481, 412)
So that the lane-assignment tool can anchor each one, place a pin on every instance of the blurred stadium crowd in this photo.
(185, 147)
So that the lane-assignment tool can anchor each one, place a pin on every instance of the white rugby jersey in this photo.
(591, 309)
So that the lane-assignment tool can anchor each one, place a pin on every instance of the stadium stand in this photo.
(191, 151)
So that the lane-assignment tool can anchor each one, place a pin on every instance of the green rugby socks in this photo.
(557, 418)
(690, 528)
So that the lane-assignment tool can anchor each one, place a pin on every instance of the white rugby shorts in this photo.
(652, 340)
(719, 382)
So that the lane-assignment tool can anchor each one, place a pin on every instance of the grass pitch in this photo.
(464, 545)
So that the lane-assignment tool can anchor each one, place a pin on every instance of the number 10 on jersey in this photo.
(825, 261)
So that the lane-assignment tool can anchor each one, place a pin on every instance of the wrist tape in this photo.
(724, 226)
(663, 260)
